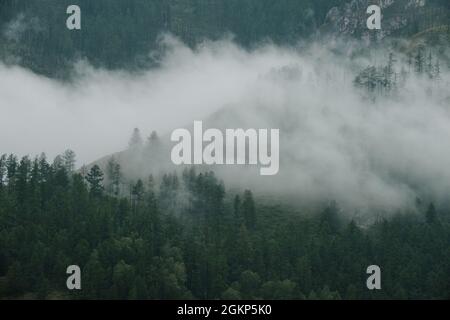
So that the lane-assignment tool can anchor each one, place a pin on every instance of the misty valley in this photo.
(279, 150)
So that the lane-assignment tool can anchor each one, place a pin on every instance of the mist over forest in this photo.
(357, 135)
(364, 120)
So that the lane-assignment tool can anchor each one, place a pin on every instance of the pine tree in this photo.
(437, 70)
(419, 60)
(153, 138)
(44, 168)
(136, 139)
(2, 170)
(248, 210)
(69, 160)
(137, 193)
(429, 66)
(95, 179)
(329, 218)
(410, 60)
(390, 72)
(237, 208)
(23, 175)
(113, 176)
(58, 163)
(11, 167)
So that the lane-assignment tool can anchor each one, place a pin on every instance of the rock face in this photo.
(399, 18)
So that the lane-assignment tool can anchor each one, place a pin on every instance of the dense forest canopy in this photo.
(375, 130)
(190, 238)
(120, 34)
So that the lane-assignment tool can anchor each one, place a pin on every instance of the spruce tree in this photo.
(95, 179)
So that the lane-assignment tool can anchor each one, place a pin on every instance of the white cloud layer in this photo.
(333, 143)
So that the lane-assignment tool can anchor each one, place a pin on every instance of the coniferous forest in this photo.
(363, 117)
(218, 246)
(120, 34)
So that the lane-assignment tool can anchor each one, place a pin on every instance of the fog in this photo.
(95, 114)
(334, 142)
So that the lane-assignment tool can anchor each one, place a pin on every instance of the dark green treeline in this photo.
(188, 238)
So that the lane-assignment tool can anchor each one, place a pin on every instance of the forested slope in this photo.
(121, 34)
(191, 238)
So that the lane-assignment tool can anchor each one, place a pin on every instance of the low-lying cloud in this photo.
(334, 144)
